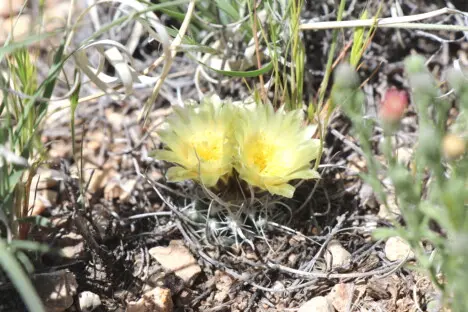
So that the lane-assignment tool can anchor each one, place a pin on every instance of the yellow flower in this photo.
(274, 148)
(199, 142)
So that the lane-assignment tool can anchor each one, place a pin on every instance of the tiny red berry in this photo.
(393, 105)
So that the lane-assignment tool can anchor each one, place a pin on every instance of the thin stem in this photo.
(331, 55)
(326, 79)
(257, 53)
(167, 66)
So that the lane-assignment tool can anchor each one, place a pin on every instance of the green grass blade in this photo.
(19, 278)
(73, 106)
(31, 246)
(358, 43)
(244, 74)
(46, 88)
(228, 8)
(13, 46)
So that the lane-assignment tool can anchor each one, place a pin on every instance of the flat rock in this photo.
(367, 196)
(397, 249)
(46, 179)
(54, 18)
(342, 296)
(223, 281)
(8, 7)
(336, 255)
(41, 200)
(72, 245)
(392, 211)
(56, 289)
(156, 300)
(178, 259)
(317, 304)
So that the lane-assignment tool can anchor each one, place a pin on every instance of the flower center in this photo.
(208, 146)
(262, 152)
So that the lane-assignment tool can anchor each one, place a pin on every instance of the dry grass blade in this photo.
(169, 53)
(392, 22)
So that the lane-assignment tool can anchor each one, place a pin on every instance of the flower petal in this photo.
(284, 190)
(177, 174)
(305, 175)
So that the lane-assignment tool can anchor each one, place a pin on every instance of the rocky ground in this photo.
(129, 248)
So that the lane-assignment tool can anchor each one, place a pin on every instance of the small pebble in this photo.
(317, 304)
(88, 301)
(336, 255)
(397, 249)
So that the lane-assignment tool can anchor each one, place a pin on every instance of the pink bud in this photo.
(393, 105)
